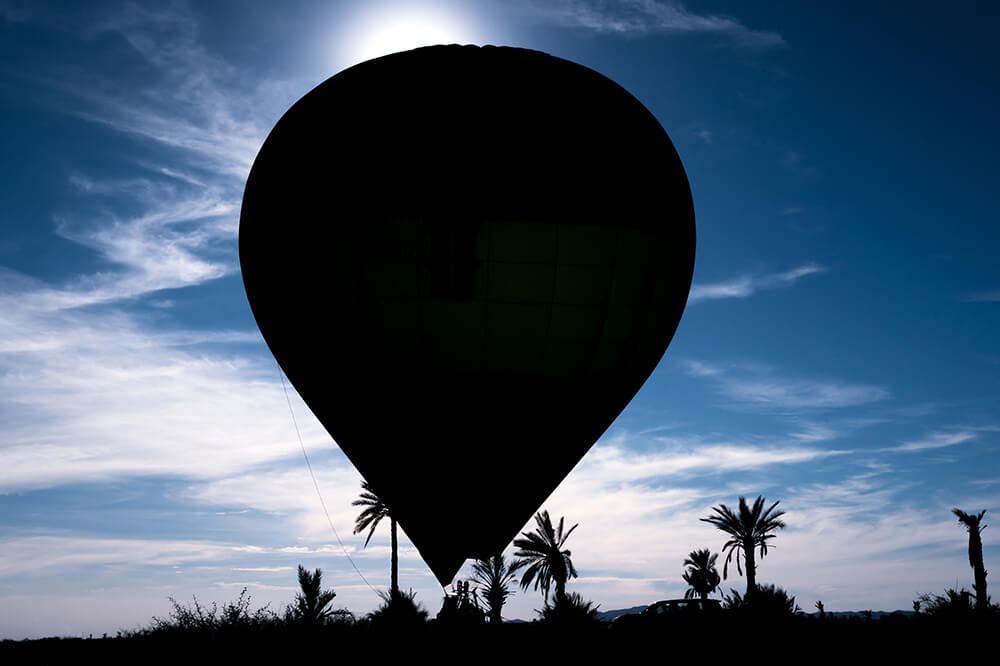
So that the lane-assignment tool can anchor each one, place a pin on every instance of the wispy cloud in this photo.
(650, 16)
(98, 395)
(30, 554)
(983, 296)
(101, 393)
(614, 463)
(810, 431)
(758, 386)
(937, 440)
(175, 225)
(184, 235)
(748, 285)
(214, 114)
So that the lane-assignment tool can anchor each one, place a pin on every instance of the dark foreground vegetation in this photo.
(730, 633)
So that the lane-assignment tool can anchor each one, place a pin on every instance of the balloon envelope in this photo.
(467, 261)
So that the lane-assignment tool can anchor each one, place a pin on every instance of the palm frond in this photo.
(375, 510)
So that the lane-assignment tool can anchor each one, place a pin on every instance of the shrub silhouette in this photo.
(569, 609)
(399, 609)
(768, 600)
(232, 616)
(952, 604)
(311, 604)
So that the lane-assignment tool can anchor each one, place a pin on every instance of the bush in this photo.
(570, 609)
(951, 604)
(767, 600)
(398, 609)
(198, 619)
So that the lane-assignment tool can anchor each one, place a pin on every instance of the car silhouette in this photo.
(667, 608)
(675, 606)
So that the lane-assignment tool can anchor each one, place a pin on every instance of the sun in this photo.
(403, 27)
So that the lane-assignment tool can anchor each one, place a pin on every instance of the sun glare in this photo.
(388, 30)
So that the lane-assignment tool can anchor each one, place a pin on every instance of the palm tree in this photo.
(542, 553)
(494, 575)
(375, 511)
(750, 529)
(701, 573)
(972, 524)
(311, 603)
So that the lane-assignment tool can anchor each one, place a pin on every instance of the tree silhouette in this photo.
(399, 610)
(973, 524)
(311, 603)
(542, 553)
(375, 511)
(749, 529)
(768, 600)
(701, 574)
(952, 604)
(494, 575)
(569, 610)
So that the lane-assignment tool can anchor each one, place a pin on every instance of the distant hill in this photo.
(604, 616)
(875, 614)
(607, 616)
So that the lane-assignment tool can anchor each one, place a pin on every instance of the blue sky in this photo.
(838, 352)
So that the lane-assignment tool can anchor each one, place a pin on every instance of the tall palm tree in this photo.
(375, 511)
(542, 553)
(701, 573)
(495, 576)
(973, 524)
(749, 529)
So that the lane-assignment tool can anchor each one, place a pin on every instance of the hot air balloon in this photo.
(467, 260)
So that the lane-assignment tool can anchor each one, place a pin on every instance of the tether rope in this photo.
(288, 400)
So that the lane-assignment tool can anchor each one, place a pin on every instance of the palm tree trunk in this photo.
(560, 589)
(979, 571)
(496, 612)
(395, 560)
(496, 596)
(751, 571)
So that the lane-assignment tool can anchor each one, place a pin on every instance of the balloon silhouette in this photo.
(467, 260)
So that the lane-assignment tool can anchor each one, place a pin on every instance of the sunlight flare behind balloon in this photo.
(389, 29)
